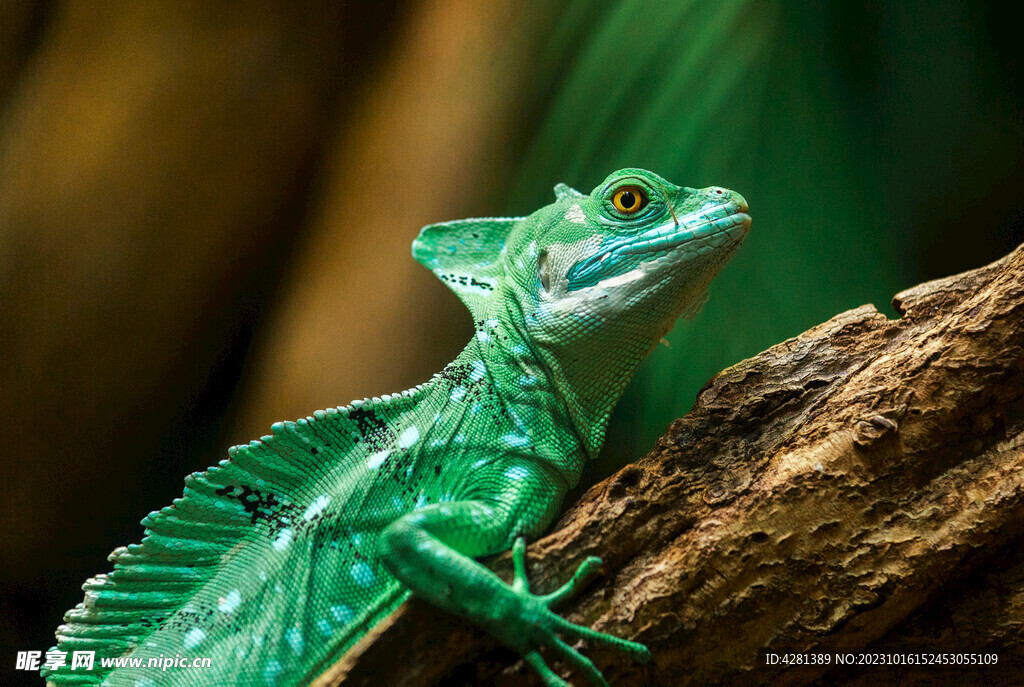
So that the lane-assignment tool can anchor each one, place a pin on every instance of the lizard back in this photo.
(268, 564)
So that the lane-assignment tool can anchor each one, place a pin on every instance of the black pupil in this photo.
(628, 200)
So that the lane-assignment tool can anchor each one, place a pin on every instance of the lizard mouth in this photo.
(699, 233)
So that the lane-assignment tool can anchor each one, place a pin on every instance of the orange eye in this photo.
(629, 199)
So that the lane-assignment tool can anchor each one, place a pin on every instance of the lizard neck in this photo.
(530, 399)
(588, 372)
(562, 391)
(591, 377)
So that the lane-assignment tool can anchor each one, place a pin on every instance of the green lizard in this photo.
(277, 560)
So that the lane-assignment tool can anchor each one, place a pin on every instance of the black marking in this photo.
(457, 373)
(260, 506)
(375, 432)
(466, 280)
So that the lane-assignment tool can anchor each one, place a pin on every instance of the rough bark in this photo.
(858, 488)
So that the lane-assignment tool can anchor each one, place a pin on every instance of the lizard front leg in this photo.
(431, 551)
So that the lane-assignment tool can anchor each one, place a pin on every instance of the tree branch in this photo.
(857, 488)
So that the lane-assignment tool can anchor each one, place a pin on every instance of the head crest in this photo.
(564, 192)
(466, 255)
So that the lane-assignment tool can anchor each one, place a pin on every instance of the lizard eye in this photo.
(629, 199)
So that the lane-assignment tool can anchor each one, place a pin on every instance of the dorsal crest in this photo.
(466, 255)
(566, 192)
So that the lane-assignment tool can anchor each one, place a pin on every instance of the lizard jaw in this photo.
(698, 233)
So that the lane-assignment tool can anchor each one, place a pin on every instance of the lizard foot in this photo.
(545, 624)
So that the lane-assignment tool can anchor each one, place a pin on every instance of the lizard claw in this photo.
(586, 572)
(555, 623)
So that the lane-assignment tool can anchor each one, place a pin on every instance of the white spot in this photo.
(516, 440)
(342, 614)
(483, 336)
(409, 437)
(357, 540)
(257, 640)
(621, 279)
(527, 380)
(283, 539)
(194, 637)
(231, 602)
(492, 323)
(458, 393)
(478, 464)
(317, 507)
(516, 472)
(145, 682)
(271, 672)
(421, 500)
(325, 627)
(479, 371)
(377, 459)
(520, 349)
(459, 439)
(362, 574)
(295, 641)
(576, 215)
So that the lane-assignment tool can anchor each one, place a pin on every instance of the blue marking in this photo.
(283, 539)
(194, 638)
(517, 472)
(362, 574)
(271, 671)
(295, 641)
(315, 508)
(342, 614)
(231, 602)
(516, 440)
(377, 459)
(409, 437)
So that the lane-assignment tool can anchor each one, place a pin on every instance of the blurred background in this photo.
(206, 209)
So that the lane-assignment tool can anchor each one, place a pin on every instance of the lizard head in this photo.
(592, 282)
(637, 248)
(601, 278)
